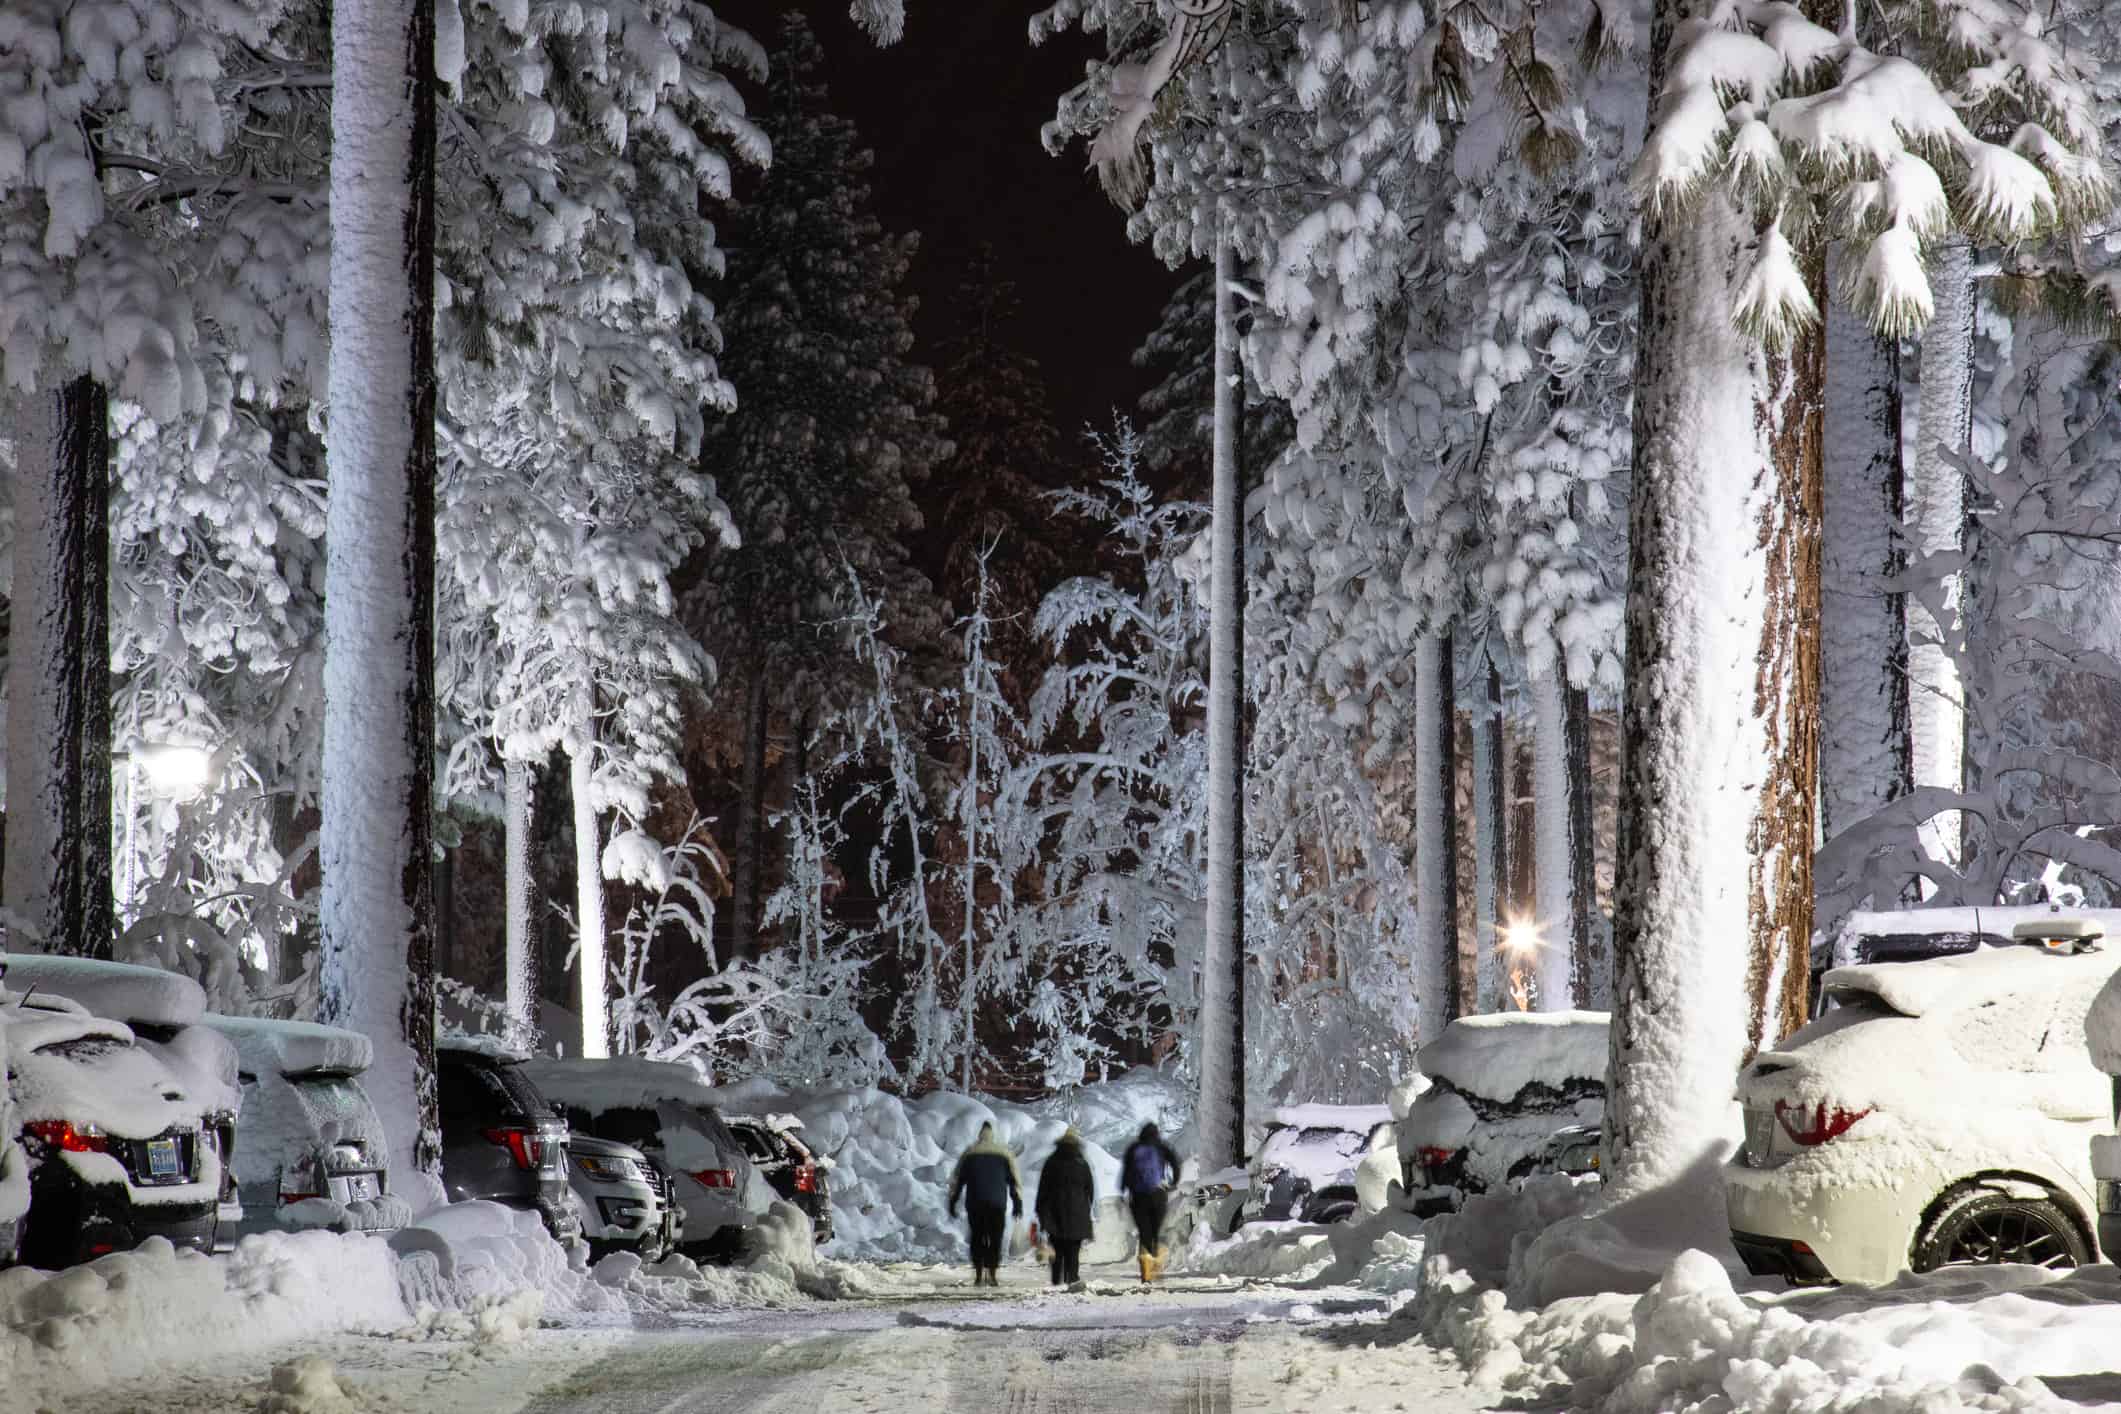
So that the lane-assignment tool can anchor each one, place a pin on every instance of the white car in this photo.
(667, 1112)
(619, 1196)
(1305, 1168)
(1940, 1111)
(1500, 1085)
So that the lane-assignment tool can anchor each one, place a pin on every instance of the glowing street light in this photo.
(173, 771)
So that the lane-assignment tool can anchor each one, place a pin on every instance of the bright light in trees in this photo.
(174, 770)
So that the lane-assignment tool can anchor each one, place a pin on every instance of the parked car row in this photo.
(132, 1112)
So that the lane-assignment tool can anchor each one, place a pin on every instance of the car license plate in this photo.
(1759, 1136)
(162, 1160)
(360, 1187)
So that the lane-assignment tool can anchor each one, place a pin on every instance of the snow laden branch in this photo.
(1821, 139)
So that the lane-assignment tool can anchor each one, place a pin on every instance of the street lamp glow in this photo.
(174, 770)
(1520, 941)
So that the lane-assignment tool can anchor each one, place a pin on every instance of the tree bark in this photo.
(1935, 499)
(1221, 1113)
(593, 984)
(58, 869)
(1864, 745)
(520, 952)
(1706, 676)
(1590, 965)
(751, 786)
(1489, 860)
(1436, 977)
(378, 768)
(1560, 908)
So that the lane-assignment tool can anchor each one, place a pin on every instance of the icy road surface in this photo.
(1201, 1346)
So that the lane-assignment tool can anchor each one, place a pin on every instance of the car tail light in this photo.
(286, 1198)
(806, 1178)
(524, 1146)
(1821, 1123)
(60, 1135)
(1434, 1158)
(715, 1178)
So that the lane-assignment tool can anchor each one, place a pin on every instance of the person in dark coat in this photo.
(1066, 1190)
(1145, 1176)
(986, 1179)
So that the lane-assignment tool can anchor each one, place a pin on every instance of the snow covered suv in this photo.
(667, 1112)
(1939, 1111)
(1305, 1167)
(310, 1150)
(1500, 1086)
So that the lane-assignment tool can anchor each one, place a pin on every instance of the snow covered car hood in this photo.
(120, 990)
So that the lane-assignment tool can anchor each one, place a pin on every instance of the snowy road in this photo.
(1200, 1346)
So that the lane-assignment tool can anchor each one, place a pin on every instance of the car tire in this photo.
(1982, 1226)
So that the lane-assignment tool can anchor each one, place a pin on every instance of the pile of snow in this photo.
(1496, 1055)
(121, 991)
(132, 1314)
(893, 1158)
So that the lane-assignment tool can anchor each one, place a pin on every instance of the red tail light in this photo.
(716, 1178)
(806, 1178)
(1824, 1121)
(286, 1198)
(60, 1135)
(524, 1146)
(1433, 1157)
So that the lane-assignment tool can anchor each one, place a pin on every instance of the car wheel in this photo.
(1979, 1226)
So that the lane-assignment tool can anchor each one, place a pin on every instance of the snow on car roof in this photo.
(1965, 927)
(295, 1047)
(1359, 1119)
(1936, 985)
(119, 990)
(1498, 1054)
(621, 1082)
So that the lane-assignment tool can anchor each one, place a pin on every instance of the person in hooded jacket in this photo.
(1066, 1190)
(986, 1179)
(1146, 1174)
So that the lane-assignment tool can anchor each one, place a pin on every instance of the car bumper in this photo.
(1778, 1215)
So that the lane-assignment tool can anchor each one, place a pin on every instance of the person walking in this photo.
(986, 1179)
(1066, 1189)
(1145, 1176)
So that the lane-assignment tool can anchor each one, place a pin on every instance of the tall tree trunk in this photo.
(1488, 847)
(1936, 507)
(520, 960)
(1221, 1113)
(1590, 966)
(1864, 747)
(57, 874)
(1560, 907)
(966, 990)
(1436, 980)
(378, 770)
(593, 982)
(1707, 797)
(751, 787)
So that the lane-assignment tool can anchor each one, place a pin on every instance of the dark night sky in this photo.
(953, 113)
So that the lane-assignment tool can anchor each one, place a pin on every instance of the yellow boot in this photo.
(1156, 1265)
(1145, 1258)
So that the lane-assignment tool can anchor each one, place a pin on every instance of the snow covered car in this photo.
(118, 1144)
(1911, 934)
(1938, 1111)
(501, 1138)
(1500, 1085)
(619, 1197)
(1572, 1151)
(310, 1150)
(1305, 1167)
(776, 1147)
(666, 1111)
(162, 1011)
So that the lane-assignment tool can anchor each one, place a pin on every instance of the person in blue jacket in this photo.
(986, 1179)
(1145, 1176)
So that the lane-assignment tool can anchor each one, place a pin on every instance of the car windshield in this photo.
(1312, 1143)
(338, 1112)
(471, 1089)
(757, 1143)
